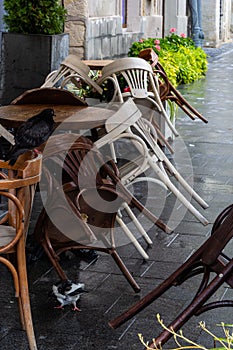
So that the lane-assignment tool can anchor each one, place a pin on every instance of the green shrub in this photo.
(34, 17)
(181, 60)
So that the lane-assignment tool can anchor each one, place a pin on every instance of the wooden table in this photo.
(71, 117)
(97, 64)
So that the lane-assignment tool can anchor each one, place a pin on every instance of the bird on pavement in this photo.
(32, 134)
(68, 292)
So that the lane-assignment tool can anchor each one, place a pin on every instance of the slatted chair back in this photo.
(142, 85)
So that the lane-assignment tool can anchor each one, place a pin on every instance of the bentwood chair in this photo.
(143, 86)
(81, 212)
(73, 70)
(212, 262)
(167, 90)
(17, 188)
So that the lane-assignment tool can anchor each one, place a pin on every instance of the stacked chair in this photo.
(71, 218)
(143, 87)
(84, 177)
(128, 123)
(17, 188)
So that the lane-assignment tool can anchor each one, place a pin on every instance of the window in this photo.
(124, 13)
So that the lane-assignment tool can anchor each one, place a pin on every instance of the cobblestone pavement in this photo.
(209, 148)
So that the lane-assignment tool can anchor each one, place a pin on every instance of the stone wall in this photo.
(76, 24)
(175, 16)
(106, 39)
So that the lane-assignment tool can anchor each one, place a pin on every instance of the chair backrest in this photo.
(118, 126)
(71, 69)
(17, 186)
(126, 115)
(77, 159)
(137, 73)
(80, 187)
(150, 55)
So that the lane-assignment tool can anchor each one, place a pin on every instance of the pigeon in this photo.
(32, 134)
(68, 292)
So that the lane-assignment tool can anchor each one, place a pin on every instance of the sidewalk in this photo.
(210, 148)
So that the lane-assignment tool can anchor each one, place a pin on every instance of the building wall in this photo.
(216, 21)
(175, 16)
(96, 30)
(231, 14)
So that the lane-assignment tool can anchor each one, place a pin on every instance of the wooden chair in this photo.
(166, 88)
(17, 188)
(73, 70)
(81, 212)
(216, 268)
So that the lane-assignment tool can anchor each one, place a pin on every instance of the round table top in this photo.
(72, 117)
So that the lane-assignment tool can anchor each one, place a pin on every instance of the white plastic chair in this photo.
(120, 126)
(142, 83)
(72, 69)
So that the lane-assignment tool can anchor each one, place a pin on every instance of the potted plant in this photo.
(33, 45)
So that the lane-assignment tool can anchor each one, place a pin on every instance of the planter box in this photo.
(27, 59)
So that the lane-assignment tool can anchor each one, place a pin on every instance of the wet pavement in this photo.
(209, 149)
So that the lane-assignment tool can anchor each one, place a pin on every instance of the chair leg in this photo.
(176, 192)
(15, 277)
(134, 202)
(24, 295)
(161, 157)
(54, 260)
(132, 239)
(163, 112)
(185, 185)
(125, 271)
(137, 224)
